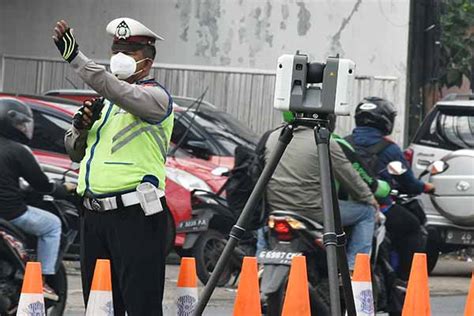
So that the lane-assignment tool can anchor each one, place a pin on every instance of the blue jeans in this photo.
(47, 227)
(261, 240)
(362, 219)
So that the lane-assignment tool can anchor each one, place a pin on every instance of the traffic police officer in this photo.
(121, 142)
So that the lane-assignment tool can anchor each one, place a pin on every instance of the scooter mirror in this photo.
(396, 168)
(438, 167)
(220, 171)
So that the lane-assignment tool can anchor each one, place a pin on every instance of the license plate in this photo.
(193, 225)
(460, 237)
(277, 257)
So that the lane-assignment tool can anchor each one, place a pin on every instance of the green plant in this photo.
(457, 41)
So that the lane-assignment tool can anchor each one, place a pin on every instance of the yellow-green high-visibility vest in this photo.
(121, 150)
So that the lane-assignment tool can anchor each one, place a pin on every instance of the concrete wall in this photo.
(239, 33)
(234, 33)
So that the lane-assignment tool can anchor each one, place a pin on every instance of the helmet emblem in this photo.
(368, 106)
(122, 31)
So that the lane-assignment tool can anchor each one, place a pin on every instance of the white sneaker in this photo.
(49, 293)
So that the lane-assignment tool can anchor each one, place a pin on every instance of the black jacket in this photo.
(17, 160)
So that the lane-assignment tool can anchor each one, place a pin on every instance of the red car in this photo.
(184, 171)
(199, 128)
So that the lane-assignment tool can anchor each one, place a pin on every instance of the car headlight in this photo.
(186, 180)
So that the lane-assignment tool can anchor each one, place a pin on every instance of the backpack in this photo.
(369, 155)
(248, 167)
(364, 160)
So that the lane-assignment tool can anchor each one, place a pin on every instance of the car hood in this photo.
(199, 168)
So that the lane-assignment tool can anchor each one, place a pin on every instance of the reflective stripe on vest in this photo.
(121, 150)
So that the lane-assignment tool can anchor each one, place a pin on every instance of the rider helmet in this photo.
(16, 120)
(376, 112)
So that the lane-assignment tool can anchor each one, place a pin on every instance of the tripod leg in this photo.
(239, 228)
(330, 207)
(341, 255)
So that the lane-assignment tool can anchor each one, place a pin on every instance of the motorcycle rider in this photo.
(374, 118)
(17, 160)
(295, 185)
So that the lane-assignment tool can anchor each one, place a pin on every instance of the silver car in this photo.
(447, 135)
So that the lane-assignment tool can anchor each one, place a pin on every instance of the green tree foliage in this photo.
(457, 41)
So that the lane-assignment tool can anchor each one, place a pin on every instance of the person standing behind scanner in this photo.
(122, 150)
(295, 185)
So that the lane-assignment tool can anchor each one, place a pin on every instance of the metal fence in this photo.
(247, 94)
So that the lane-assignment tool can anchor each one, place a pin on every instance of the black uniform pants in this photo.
(135, 245)
(406, 235)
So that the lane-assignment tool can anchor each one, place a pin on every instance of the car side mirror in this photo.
(199, 148)
(438, 167)
(396, 168)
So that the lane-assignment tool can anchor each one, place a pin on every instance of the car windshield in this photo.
(179, 152)
(225, 129)
(450, 129)
(68, 107)
(456, 128)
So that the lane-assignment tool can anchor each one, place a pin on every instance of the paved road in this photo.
(449, 285)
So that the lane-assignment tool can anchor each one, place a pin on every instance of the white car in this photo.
(447, 135)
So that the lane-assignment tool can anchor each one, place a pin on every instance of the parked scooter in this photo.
(206, 236)
(17, 248)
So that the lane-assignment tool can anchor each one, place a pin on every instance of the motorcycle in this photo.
(292, 234)
(206, 236)
(17, 248)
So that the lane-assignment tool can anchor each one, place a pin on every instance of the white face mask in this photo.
(124, 66)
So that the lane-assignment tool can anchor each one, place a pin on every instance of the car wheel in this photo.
(207, 251)
(432, 248)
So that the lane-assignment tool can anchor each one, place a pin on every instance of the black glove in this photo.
(67, 46)
(96, 108)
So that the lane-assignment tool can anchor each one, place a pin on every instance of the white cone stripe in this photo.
(363, 298)
(31, 304)
(100, 304)
(186, 302)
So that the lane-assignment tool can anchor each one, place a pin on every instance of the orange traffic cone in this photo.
(417, 299)
(100, 298)
(362, 286)
(247, 302)
(187, 287)
(297, 291)
(31, 298)
(469, 310)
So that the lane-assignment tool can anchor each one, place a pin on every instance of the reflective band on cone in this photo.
(31, 298)
(187, 292)
(100, 299)
(362, 286)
